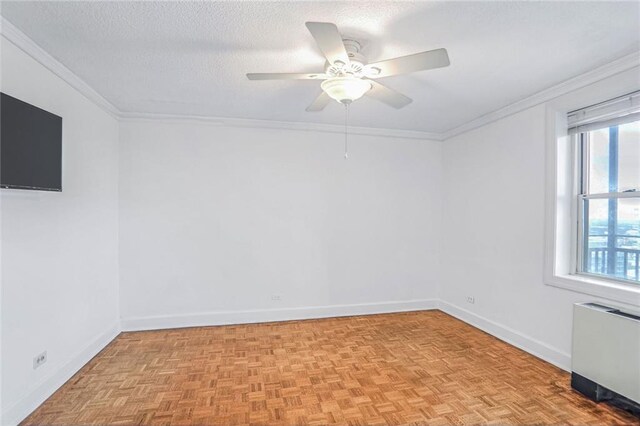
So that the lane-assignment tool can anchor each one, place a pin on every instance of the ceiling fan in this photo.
(347, 75)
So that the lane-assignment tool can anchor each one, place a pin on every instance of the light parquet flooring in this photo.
(417, 367)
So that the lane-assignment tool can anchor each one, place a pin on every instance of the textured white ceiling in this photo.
(191, 57)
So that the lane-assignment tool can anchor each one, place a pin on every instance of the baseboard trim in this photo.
(43, 389)
(269, 315)
(513, 337)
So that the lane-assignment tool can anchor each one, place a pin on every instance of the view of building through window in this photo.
(611, 210)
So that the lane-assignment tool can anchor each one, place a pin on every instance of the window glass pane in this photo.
(599, 161)
(629, 156)
(612, 237)
(614, 158)
(628, 226)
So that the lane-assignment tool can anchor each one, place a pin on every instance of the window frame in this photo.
(560, 186)
(581, 142)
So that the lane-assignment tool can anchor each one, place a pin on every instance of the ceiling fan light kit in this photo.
(345, 89)
(348, 76)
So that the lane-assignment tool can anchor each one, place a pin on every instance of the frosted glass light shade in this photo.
(345, 89)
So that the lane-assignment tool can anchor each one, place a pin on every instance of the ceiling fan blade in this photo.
(388, 96)
(319, 103)
(430, 59)
(329, 41)
(287, 76)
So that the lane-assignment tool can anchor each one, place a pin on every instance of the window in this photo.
(607, 136)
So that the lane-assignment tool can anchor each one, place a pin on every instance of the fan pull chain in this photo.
(346, 143)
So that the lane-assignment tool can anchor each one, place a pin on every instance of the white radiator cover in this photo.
(606, 347)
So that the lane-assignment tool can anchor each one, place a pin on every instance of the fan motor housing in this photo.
(355, 65)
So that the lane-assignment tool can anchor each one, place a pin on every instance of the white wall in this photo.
(493, 204)
(59, 250)
(214, 221)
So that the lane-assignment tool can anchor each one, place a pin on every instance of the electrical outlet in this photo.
(39, 360)
(471, 299)
(275, 297)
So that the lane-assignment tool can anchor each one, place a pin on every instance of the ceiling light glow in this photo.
(345, 89)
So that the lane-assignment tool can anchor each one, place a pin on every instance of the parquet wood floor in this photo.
(417, 367)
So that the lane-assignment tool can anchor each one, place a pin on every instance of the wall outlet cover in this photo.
(39, 359)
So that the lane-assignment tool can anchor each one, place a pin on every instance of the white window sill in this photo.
(604, 288)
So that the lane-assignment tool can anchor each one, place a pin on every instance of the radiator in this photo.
(605, 358)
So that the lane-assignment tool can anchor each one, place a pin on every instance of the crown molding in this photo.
(612, 68)
(28, 46)
(282, 125)
(23, 42)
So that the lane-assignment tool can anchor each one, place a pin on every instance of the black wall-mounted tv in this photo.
(30, 146)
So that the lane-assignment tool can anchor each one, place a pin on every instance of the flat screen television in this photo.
(30, 146)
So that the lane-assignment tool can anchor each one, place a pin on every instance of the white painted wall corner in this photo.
(60, 374)
(513, 337)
